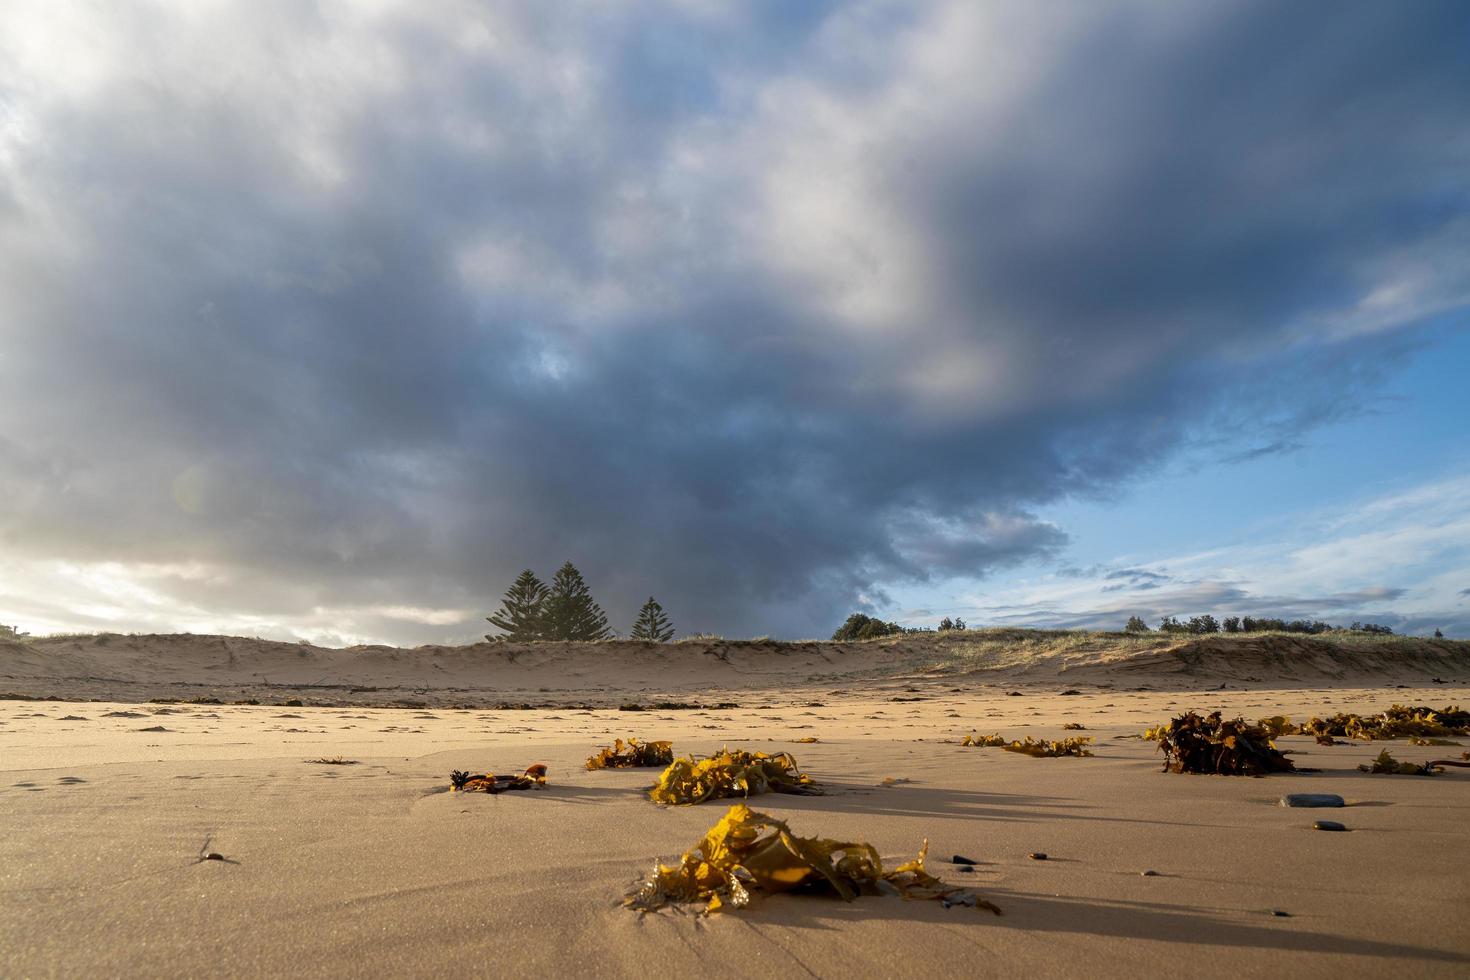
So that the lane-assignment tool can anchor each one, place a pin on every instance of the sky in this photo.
(323, 320)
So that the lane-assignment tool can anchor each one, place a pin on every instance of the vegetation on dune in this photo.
(565, 610)
(652, 624)
(1200, 625)
(520, 612)
(861, 627)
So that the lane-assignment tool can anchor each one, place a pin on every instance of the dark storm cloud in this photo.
(756, 311)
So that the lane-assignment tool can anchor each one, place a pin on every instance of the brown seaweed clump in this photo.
(748, 851)
(1037, 748)
(1209, 744)
(632, 754)
(1040, 748)
(533, 778)
(1386, 764)
(1279, 725)
(730, 772)
(1399, 721)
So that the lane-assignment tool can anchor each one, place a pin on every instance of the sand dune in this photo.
(234, 668)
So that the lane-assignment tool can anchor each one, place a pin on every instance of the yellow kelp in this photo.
(1040, 748)
(749, 851)
(730, 772)
(632, 755)
(1387, 764)
(1397, 722)
(1277, 726)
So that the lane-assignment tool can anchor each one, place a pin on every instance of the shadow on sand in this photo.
(1040, 914)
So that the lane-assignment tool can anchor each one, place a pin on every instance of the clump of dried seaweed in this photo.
(1386, 764)
(1278, 725)
(1210, 744)
(748, 851)
(730, 772)
(1399, 721)
(533, 778)
(632, 754)
(1040, 748)
(1073, 726)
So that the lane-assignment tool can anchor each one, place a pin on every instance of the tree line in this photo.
(861, 627)
(565, 610)
(1249, 624)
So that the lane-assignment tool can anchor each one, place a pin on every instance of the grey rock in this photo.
(1312, 799)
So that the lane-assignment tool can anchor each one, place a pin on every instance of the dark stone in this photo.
(1328, 825)
(1150, 873)
(1280, 914)
(1312, 800)
(1037, 856)
(961, 859)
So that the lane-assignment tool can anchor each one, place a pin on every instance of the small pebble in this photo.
(961, 859)
(1037, 856)
(1150, 873)
(1280, 914)
(1327, 825)
(214, 856)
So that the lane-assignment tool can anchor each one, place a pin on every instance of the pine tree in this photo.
(569, 612)
(652, 623)
(520, 614)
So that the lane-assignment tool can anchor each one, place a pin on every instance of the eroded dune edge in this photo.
(484, 674)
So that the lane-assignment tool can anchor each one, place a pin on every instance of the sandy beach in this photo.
(374, 868)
